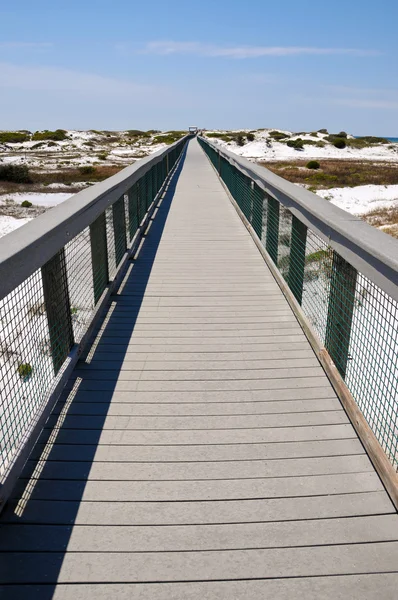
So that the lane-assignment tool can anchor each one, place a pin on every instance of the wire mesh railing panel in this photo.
(133, 212)
(355, 320)
(316, 282)
(257, 209)
(110, 241)
(99, 256)
(284, 241)
(26, 364)
(43, 318)
(80, 282)
(119, 229)
(372, 370)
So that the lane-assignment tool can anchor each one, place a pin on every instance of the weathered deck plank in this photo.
(198, 451)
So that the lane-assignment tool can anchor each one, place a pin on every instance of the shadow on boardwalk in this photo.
(54, 487)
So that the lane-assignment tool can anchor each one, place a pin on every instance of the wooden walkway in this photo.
(199, 452)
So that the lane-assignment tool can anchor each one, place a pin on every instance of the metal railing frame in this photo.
(355, 246)
(40, 245)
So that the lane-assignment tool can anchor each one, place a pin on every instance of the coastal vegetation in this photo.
(337, 173)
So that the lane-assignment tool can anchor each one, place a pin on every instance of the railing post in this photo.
(99, 256)
(272, 229)
(134, 215)
(340, 311)
(257, 210)
(148, 189)
(58, 309)
(119, 229)
(297, 258)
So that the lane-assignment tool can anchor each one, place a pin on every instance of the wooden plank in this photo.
(183, 538)
(204, 423)
(116, 409)
(187, 365)
(37, 567)
(280, 372)
(204, 512)
(145, 491)
(202, 396)
(298, 351)
(200, 385)
(192, 437)
(232, 452)
(355, 587)
(189, 471)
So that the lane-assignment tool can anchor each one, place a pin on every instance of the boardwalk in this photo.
(199, 450)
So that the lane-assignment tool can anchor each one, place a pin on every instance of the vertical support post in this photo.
(297, 258)
(257, 203)
(153, 185)
(139, 201)
(119, 229)
(99, 256)
(272, 229)
(340, 311)
(134, 217)
(148, 190)
(58, 309)
(251, 201)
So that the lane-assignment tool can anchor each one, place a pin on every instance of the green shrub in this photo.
(278, 135)
(371, 139)
(214, 134)
(250, 137)
(296, 144)
(342, 134)
(339, 143)
(13, 137)
(87, 170)
(323, 131)
(135, 132)
(103, 156)
(313, 164)
(26, 204)
(168, 138)
(58, 135)
(25, 370)
(322, 179)
(240, 140)
(15, 173)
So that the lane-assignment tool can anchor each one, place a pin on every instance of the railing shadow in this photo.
(37, 526)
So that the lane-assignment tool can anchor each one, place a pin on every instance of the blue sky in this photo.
(217, 64)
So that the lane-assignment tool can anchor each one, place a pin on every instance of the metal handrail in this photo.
(369, 250)
(340, 276)
(27, 248)
(57, 274)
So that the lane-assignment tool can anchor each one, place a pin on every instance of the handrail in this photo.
(340, 276)
(32, 245)
(369, 250)
(57, 274)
